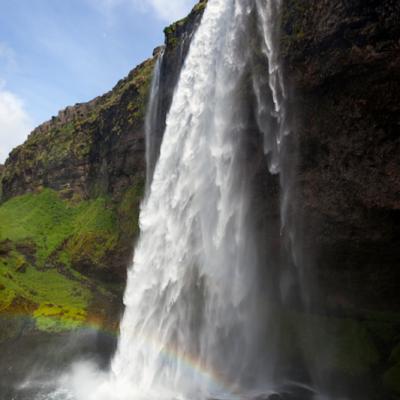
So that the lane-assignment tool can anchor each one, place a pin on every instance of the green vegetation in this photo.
(62, 255)
(171, 30)
(171, 39)
(391, 379)
(395, 355)
(347, 345)
(63, 146)
(293, 18)
(129, 208)
(48, 225)
(55, 301)
(42, 239)
(137, 108)
(137, 84)
(344, 345)
(200, 6)
(38, 235)
(363, 347)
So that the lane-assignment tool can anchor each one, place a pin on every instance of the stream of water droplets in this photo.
(191, 324)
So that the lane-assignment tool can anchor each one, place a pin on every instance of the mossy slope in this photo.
(46, 243)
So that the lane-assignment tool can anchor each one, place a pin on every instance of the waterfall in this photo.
(189, 319)
(152, 121)
(192, 327)
(271, 118)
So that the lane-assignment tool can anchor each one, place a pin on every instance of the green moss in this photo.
(52, 248)
(51, 147)
(341, 345)
(354, 351)
(143, 82)
(395, 354)
(129, 209)
(43, 218)
(43, 238)
(137, 82)
(200, 6)
(384, 331)
(293, 18)
(391, 379)
(170, 32)
(67, 141)
(50, 223)
(55, 301)
(171, 38)
(58, 318)
(58, 233)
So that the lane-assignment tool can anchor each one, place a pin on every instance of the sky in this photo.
(55, 53)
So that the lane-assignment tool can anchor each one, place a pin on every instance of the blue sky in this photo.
(55, 53)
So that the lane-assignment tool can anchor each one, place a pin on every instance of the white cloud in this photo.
(15, 123)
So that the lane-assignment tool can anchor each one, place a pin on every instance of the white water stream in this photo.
(191, 328)
(152, 122)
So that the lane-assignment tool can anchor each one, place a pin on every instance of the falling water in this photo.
(188, 325)
(191, 328)
(152, 121)
(271, 119)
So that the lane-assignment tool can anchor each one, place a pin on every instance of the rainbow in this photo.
(193, 366)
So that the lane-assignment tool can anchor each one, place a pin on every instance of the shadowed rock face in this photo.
(342, 66)
(342, 62)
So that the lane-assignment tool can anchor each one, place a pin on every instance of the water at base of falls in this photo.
(193, 327)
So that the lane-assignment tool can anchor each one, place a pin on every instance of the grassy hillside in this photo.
(45, 244)
(69, 207)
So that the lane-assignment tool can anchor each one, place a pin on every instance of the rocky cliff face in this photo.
(70, 198)
(67, 153)
(342, 66)
(97, 149)
(89, 151)
(342, 63)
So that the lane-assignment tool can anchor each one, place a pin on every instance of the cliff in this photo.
(66, 218)
(70, 198)
(342, 62)
(71, 193)
(342, 66)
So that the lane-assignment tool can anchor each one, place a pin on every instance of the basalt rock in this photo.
(342, 63)
(88, 149)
